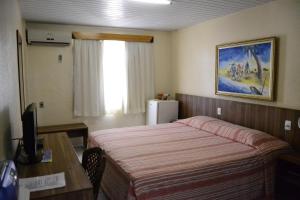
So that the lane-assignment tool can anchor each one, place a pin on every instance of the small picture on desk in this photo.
(47, 156)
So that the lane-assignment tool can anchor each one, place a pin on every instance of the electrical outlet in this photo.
(287, 125)
(219, 111)
(41, 104)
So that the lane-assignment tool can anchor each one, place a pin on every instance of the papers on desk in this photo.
(43, 182)
(23, 194)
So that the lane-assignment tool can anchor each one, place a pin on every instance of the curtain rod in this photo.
(112, 36)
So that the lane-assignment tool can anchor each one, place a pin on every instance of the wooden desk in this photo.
(65, 160)
(73, 130)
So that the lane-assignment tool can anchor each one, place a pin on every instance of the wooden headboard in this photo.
(265, 118)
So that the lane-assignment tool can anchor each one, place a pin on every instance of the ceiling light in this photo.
(155, 1)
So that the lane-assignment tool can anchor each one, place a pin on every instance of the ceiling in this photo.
(131, 14)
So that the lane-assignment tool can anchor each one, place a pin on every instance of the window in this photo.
(114, 76)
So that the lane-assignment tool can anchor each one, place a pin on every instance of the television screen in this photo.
(29, 120)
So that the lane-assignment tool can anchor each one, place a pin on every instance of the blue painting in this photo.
(246, 69)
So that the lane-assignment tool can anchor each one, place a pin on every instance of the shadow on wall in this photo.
(5, 135)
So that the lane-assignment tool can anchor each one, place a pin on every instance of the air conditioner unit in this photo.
(42, 37)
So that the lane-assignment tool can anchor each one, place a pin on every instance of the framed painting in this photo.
(246, 69)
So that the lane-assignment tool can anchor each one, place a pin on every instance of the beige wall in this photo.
(184, 61)
(51, 81)
(10, 118)
(193, 55)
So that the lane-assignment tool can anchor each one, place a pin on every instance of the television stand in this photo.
(23, 158)
(40, 144)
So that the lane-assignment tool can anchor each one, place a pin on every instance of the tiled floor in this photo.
(79, 151)
(101, 196)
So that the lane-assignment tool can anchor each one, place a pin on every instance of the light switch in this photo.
(219, 111)
(287, 125)
(60, 58)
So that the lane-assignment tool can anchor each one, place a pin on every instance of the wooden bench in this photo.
(73, 130)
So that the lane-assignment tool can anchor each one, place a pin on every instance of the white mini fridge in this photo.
(161, 111)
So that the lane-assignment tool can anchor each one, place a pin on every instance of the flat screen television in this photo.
(29, 120)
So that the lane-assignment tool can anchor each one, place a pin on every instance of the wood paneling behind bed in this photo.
(265, 118)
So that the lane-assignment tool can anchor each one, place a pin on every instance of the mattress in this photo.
(194, 158)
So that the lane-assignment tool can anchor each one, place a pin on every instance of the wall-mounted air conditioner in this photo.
(42, 37)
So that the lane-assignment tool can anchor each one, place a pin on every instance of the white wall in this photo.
(193, 55)
(10, 117)
(51, 82)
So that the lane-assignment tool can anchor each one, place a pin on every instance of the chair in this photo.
(93, 163)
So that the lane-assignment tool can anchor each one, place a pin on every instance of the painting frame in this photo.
(258, 94)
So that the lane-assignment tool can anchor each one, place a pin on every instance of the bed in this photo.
(195, 158)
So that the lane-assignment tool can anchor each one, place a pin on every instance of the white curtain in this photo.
(88, 78)
(140, 76)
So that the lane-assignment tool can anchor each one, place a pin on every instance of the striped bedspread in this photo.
(195, 158)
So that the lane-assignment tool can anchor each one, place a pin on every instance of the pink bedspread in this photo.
(196, 158)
